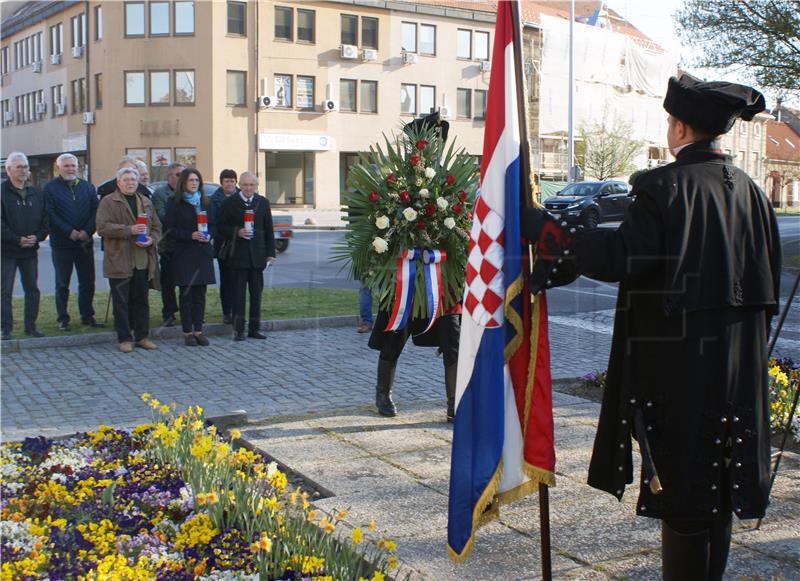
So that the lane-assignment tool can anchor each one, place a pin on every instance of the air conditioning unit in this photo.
(486, 66)
(444, 112)
(409, 58)
(369, 54)
(55, 59)
(61, 108)
(329, 105)
(349, 51)
(37, 67)
(8, 117)
(88, 118)
(41, 108)
(267, 101)
(77, 52)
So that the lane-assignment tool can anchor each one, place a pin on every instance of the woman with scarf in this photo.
(194, 269)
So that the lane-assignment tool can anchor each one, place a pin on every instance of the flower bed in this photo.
(171, 500)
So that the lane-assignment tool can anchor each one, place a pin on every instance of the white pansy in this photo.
(382, 222)
(442, 203)
(430, 172)
(449, 223)
(380, 245)
(410, 214)
(424, 193)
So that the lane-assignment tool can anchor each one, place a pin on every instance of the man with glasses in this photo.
(169, 299)
(24, 226)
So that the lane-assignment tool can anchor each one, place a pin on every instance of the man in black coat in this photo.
(251, 252)
(24, 225)
(228, 188)
(110, 186)
(698, 260)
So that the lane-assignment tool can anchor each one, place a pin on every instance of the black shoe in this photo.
(34, 333)
(202, 340)
(6, 336)
(190, 340)
(239, 337)
(227, 319)
(256, 335)
(169, 322)
(92, 323)
(64, 326)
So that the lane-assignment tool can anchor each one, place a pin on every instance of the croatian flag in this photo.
(503, 430)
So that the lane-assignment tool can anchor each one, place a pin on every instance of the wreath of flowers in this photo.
(412, 193)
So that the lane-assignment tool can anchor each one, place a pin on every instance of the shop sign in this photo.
(294, 142)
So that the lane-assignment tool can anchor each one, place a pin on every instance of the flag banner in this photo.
(503, 429)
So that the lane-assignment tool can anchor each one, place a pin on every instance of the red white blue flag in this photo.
(503, 430)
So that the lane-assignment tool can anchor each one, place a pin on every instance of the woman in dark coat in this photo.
(193, 255)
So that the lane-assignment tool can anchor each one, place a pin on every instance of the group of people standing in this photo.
(152, 239)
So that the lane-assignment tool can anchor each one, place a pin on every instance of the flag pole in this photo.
(570, 129)
(526, 192)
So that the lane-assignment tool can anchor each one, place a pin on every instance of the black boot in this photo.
(383, 391)
(450, 389)
(684, 556)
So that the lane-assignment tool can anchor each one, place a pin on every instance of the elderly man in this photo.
(110, 186)
(71, 208)
(169, 300)
(253, 250)
(144, 176)
(24, 225)
(129, 261)
(227, 178)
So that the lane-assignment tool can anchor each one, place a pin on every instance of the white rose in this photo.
(380, 245)
(430, 172)
(423, 193)
(449, 223)
(410, 214)
(382, 222)
(442, 203)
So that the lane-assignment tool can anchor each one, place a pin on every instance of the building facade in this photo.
(782, 164)
(746, 142)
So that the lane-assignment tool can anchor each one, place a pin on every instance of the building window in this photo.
(754, 162)
(4, 61)
(283, 23)
(481, 47)
(464, 104)
(290, 178)
(349, 29)
(347, 95)
(283, 91)
(480, 104)
(98, 23)
(78, 27)
(464, 48)
(369, 32)
(159, 18)
(409, 37)
(159, 88)
(305, 25)
(237, 83)
(134, 19)
(408, 99)
(184, 87)
(427, 39)
(305, 92)
(427, 99)
(237, 18)
(134, 87)
(40, 101)
(6, 108)
(37, 47)
(98, 91)
(57, 95)
(57, 39)
(742, 127)
(757, 130)
(742, 159)
(184, 18)
(369, 96)
(78, 95)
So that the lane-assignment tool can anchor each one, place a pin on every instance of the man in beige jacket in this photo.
(129, 261)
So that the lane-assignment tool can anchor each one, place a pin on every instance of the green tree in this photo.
(759, 36)
(605, 150)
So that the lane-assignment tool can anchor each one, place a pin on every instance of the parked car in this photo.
(591, 203)
(281, 223)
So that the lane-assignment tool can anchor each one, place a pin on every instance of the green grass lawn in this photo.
(278, 303)
(791, 211)
(792, 261)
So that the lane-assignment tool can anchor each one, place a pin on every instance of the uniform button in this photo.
(560, 260)
(633, 400)
(738, 440)
(713, 487)
(644, 508)
(649, 428)
(649, 404)
(736, 487)
(620, 468)
(723, 419)
(715, 464)
(718, 441)
(566, 252)
(619, 491)
(714, 510)
(622, 446)
(646, 481)
(738, 509)
(735, 418)
(624, 421)
(738, 464)
(554, 270)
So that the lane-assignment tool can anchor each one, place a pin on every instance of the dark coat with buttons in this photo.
(698, 260)
(247, 253)
(192, 260)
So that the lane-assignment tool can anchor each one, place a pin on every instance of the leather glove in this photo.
(555, 265)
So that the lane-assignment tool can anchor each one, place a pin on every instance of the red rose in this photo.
(422, 144)
(374, 196)
(390, 179)
(462, 195)
(450, 180)
(420, 225)
(456, 209)
(430, 209)
(414, 160)
(404, 197)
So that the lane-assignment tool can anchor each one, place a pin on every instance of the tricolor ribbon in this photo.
(403, 289)
(433, 260)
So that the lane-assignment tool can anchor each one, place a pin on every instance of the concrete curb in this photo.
(176, 332)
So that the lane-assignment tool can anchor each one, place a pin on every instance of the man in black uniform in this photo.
(698, 261)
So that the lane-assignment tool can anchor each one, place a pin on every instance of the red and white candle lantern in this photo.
(248, 222)
(202, 224)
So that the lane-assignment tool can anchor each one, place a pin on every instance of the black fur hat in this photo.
(711, 107)
(433, 120)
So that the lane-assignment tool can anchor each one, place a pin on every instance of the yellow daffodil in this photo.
(145, 397)
(341, 515)
(312, 515)
(235, 434)
(392, 562)
(358, 536)
(371, 525)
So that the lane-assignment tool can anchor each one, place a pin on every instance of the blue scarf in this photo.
(193, 199)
